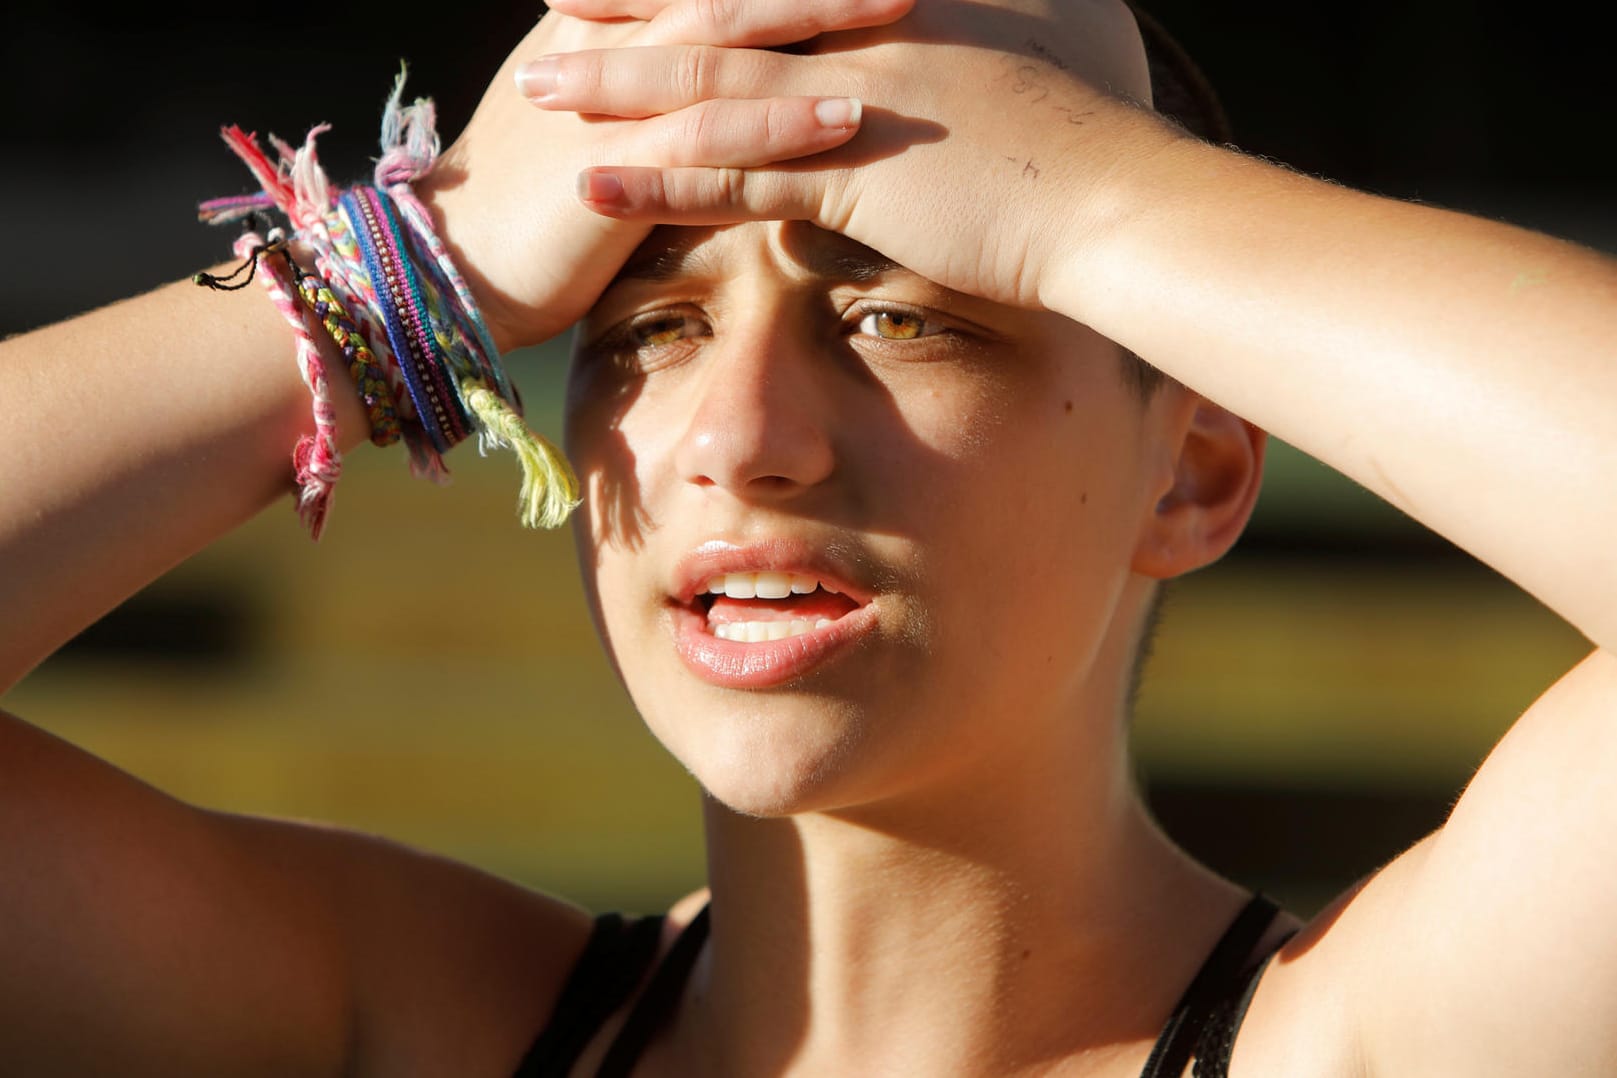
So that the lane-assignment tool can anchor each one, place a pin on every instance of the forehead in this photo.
(673, 253)
(750, 260)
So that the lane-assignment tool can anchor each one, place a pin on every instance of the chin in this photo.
(770, 761)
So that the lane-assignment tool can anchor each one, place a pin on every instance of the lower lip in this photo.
(734, 664)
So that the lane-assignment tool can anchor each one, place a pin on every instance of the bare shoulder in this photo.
(451, 969)
(1488, 947)
(146, 935)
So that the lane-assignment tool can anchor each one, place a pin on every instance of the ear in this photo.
(1216, 474)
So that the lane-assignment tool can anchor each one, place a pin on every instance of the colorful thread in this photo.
(408, 327)
(316, 460)
(387, 292)
(370, 379)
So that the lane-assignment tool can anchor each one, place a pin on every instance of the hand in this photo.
(504, 192)
(988, 158)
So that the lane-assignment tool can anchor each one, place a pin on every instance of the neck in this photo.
(980, 927)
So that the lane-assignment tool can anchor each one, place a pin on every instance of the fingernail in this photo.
(599, 187)
(537, 79)
(838, 112)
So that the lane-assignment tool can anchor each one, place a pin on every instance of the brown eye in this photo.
(664, 330)
(896, 325)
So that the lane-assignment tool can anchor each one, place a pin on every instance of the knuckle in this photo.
(583, 75)
(714, 16)
(730, 186)
(659, 192)
(780, 123)
(834, 206)
(701, 134)
(696, 73)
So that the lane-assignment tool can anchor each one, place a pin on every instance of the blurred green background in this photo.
(1315, 701)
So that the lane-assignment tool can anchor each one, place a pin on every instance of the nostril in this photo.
(773, 483)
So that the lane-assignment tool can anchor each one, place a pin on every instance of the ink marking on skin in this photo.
(1527, 279)
(1029, 169)
(1028, 79)
(1074, 117)
(1046, 55)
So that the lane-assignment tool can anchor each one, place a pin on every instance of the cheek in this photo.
(1038, 450)
(613, 462)
(1030, 521)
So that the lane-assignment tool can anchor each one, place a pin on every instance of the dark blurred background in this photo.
(1315, 703)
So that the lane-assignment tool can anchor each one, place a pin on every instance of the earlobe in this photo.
(1217, 473)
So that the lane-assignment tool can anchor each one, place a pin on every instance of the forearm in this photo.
(137, 434)
(1462, 369)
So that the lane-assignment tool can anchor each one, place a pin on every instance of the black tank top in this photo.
(1202, 1026)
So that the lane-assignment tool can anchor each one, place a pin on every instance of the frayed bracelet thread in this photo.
(388, 294)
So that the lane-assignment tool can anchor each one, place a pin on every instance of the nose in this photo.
(759, 424)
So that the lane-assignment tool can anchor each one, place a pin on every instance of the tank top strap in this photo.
(613, 964)
(658, 1001)
(1209, 1013)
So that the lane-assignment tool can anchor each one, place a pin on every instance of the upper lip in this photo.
(718, 556)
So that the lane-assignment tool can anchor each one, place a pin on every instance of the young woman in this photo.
(876, 504)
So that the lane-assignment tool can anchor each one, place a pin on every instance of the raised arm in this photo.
(138, 433)
(146, 936)
(1461, 368)
(1430, 355)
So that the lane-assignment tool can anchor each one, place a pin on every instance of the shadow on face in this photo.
(797, 298)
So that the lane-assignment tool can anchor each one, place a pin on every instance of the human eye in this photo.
(897, 324)
(651, 340)
(658, 329)
(662, 328)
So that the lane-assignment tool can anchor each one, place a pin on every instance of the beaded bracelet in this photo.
(370, 379)
(403, 313)
(386, 291)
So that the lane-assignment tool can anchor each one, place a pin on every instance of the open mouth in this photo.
(755, 607)
(767, 614)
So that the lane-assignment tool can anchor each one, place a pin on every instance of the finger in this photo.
(639, 82)
(744, 134)
(749, 23)
(700, 196)
(601, 10)
(761, 23)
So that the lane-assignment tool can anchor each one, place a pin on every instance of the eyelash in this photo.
(631, 337)
(872, 313)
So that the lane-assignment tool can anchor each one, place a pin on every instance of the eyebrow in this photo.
(854, 263)
(841, 259)
(661, 264)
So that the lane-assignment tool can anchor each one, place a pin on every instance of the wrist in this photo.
(1151, 164)
(442, 192)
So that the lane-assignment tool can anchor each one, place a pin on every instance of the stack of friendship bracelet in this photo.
(386, 292)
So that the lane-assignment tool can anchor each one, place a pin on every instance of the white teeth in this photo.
(766, 585)
(756, 632)
(773, 585)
